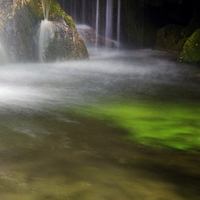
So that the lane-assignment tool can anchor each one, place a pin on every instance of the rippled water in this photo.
(49, 151)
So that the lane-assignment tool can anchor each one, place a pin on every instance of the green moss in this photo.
(22, 40)
(169, 38)
(34, 8)
(57, 12)
(191, 49)
(158, 125)
(190, 29)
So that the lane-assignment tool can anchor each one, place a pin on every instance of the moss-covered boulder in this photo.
(170, 38)
(20, 29)
(189, 30)
(191, 49)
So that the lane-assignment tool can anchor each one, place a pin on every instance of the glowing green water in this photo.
(169, 125)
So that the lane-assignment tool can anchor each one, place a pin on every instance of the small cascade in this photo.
(46, 8)
(109, 19)
(46, 30)
(118, 22)
(14, 5)
(2, 55)
(22, 3)
(97, 22)
(104, 33)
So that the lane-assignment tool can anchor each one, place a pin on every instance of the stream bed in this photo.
(55, 145)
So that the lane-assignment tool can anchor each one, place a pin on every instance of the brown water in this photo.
(49, 152)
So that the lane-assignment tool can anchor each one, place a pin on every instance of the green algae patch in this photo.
(191, 49)
(169, 126)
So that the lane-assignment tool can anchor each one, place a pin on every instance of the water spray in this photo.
(46, 8)
(46, 29)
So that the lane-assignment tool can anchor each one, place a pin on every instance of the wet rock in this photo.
(89, 36)
(20, 28)
(169, 38)
(191, 49)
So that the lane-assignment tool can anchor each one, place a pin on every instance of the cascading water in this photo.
(90, 16)
(109, 20)
(22, 3)
(2, 55)
(118, 22)
(46, 33)
(46, 8)
(97, 22)
(14, 5)
(46, 29)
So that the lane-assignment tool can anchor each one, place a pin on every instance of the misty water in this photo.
(52, 147)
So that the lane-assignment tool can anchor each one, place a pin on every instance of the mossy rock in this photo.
(20, 33)
(169, 38)
(191, 49)
(190, 29)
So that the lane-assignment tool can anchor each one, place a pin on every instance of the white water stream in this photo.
(46, 30)
(109, 19)
(2, 55)
(97, 22)
(45, 36)
(118, 23)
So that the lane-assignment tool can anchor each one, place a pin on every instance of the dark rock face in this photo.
(167, 25)
(20, 33)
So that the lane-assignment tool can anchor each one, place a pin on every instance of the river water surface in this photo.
(49, 150)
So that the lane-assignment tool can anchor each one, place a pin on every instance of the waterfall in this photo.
(46, 8)
(46, 33)
(22, 3)
(109, 19)
(46, 30)
(14, 5)
(2, 55)
(97, 22)
(109, 9)
(118, 22)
